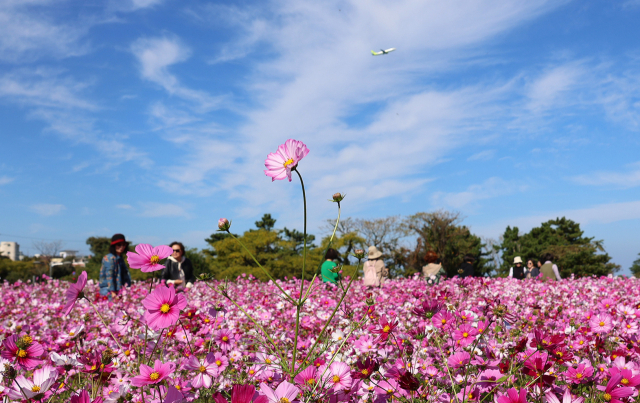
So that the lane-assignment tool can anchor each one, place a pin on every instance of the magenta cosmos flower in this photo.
(612, 393)
(241, 394)
(163, 307)
(25, 351)
(284, 393)
(600, 323)
(84, 397)
(282, 162)
(512, 396)
(74, 293)
(153, 375)
(147, 258)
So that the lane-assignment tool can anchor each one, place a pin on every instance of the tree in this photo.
(563, 238)
(266, 223)
(442, 233)
(635, 267)
(47, 251)
(297, 238)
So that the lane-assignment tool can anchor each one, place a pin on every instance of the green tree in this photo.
(442, 232)
(563, 238)
(266, 223)
(23, 270)
(635, 267)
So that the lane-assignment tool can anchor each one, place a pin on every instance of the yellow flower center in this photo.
(470, 396)
(35, 388)
(27, 339)
(93, 367)
(154, 376)
(335, 379)
(225, 338)
(165, 308)
(444, 321)
(251, 372)
(72, 334)
(284, 400)
(22, 353)
(386, 329)
(206, 320)
(465, 334)
(127, 352)
(268, 361)
(581, 342)
(218, 362)
(311, 381)
(287, 163)
(601, 323)
(178, 387)
(202, 368)
(607, 397)
(628, 326)
(624, 381)
(578, 375)
(365, 372)
(155, 259)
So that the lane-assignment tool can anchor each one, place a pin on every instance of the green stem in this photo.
(304, 262)
(154, 347)
(104, 323)
(186, 335)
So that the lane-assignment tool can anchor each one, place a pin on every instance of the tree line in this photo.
(404, 242)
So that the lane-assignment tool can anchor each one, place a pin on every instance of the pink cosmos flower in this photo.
(153, 375)
(147, 258)
(205, 370)
(465, 335)
(241, 394)
(74, 292)
(580, 374)
(550, 397)
(282, 162)
(224, 339)
(307, 378)
(613, 394)
(365, 344)
(459, 359)
(24, 350)
(43, 378)
(163, 307)
(627, 376)
(443, 320)
(600, 323)
(285, 392)
(84, 397)
(512, 396)
(338, 376)
(219, 361)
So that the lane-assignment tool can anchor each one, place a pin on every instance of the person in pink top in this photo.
(374, 269)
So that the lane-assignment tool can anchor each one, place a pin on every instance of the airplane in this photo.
(382, 51)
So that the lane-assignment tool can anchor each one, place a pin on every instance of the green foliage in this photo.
(442, 233)
(266, 223)
(635, 267)
(198, 260)
(563, 238)
(21, 270)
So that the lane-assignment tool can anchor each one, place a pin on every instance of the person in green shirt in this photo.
(325, 270)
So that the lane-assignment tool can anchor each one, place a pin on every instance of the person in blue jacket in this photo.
(114, 273)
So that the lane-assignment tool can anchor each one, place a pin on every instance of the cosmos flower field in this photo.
(477, 340)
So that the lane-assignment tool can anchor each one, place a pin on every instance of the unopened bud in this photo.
(338, 197)
(336, 269)
(224, 224)
(370, 301)
(358, 253)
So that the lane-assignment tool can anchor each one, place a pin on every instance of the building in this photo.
(10, 250)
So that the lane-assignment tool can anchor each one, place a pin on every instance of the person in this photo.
(178, 268)
(114, 272)
(531, 270)
(433, 271)
(329, 263)
(517, 271)
(549, 270)
(466, 268)
(375, 272)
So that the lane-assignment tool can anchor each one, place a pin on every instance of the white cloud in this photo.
(153, 209)
(138, 4)
(485, 155)
(4, 180)
(628, 179)
(491, 188)
(155, 55)
(549, 89)
(124, 206)
(48, 209)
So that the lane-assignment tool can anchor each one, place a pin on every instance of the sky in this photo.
(153, 118)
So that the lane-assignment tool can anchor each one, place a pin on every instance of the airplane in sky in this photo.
(382, 51)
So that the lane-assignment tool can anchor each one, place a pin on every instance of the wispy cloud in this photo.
(485, 155)
(124, 206)
(491, 188)
(4, 180)
(152, 209)
(48, 209)
(628, 179)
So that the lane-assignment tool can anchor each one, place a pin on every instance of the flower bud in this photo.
(358, 253)
(224, 224)
(336, 269)
(338, 197)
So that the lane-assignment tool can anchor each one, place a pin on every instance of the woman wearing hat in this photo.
(374, 269)
(114, 273)
(518, 270)
(433, 271)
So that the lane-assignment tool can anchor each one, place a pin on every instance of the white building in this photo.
(10, 250)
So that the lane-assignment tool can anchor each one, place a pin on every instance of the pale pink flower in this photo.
(459, 359)
(43, 378)
(282, 162)
(153, 375)
(550, 397)
(284, 391)
(465, 335)
(205, 369)
(600, 323)
(512, 396)
(219, 361)
(147, 258)
(74, 292)
(163, 307)
(338, 376)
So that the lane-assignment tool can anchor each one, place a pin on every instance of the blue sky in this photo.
(153, 117)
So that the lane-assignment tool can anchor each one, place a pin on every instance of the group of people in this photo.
(547, 270)
(114, 273)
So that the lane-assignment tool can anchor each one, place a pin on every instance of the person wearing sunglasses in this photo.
(178, 270)
(114, 272)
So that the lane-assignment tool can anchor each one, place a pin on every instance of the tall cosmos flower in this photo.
(147, 258)
(282, 162)
(338, 376)
(74, 293)
(512, 396)
(163, 307)
(43, 378)
(613, 394)
(24, 350)
(284, 393)
(153, 375)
